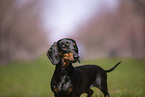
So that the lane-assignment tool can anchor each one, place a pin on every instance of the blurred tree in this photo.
(21, 31)
(119, 32)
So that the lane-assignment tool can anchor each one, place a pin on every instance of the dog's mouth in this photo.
(72, 61)
(70, 58)
(76, 60)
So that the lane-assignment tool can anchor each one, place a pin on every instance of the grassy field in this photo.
(32, 78)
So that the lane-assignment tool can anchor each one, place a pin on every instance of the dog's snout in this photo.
(76, 56)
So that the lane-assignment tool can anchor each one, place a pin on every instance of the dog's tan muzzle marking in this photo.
(68, 56)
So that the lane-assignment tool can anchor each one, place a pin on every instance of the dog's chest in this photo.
(65, 83)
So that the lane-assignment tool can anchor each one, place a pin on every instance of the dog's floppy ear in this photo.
(53, 54)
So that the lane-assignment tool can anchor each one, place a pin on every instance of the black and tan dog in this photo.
(69, 81)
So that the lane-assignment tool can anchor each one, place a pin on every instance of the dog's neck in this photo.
(64, 67)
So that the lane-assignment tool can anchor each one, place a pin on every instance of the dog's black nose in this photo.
(76, 56)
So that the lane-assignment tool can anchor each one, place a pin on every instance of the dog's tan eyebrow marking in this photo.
(74, 44)
(66, 44)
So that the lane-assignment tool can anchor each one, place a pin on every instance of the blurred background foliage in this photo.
(116, 32)
(21, 31)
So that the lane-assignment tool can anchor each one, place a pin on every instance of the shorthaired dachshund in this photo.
(69, 81)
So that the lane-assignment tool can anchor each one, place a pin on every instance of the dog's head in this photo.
(65, 49)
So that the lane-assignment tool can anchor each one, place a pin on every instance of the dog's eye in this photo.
(74, 46)
(64, 48)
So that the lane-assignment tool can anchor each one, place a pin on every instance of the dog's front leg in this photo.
(56, 95)
(76, 95)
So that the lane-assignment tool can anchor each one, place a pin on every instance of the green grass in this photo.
(32, 78)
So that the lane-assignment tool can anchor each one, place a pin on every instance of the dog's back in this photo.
(88, 75)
